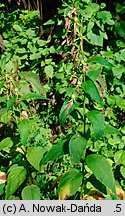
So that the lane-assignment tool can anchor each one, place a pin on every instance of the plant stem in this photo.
(82, 186)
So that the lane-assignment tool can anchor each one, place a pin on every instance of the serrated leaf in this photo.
(24, 130)
(31, 192)
(49, 71)
(77, 145)
(100, 60)
(13, 198)
(6, 143)
(102, 170)
(34, 156)
(90, 88)
(98, 124)
(15, 178)
(55, 152)
(69, 184)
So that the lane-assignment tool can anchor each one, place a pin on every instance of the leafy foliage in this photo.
(62, 125)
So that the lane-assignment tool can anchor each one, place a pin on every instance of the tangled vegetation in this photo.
(62, 104)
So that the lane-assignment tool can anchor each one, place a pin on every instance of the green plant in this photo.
(62, 105)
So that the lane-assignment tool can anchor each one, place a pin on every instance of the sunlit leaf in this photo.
(31, 192)
(15, 178)
(6, 143)
(49, 71)
(34, 156)
(69, 184)
(102, 170)
(119, 157)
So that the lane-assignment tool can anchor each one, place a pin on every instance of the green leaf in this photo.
(21, 50)
(10, 103)
(3, 61)
(55, 152)
(34, 80)
(98, 124)
(114, 141)
(30, 32)
(2, 83)
(6, 143)
(120, 102)
(49, 71)
(35, 56)
(49, 22)
(2, 188)
(31, 192)
(97, 184)
(110, 130)
(90, 10)
(34, 156)
(15, 178)
(69, 184)
(32, 96)
(41, 42)
(119, 157)
(17, 27)
(102, 170)
(13, 198)
(77, 145)
(90, 88)
(90, 26)
(118, 70)
(100, 60)
(93, 74)
(24, 130)
(95, 39)
(67, 108)
(106, 17)
(122, 171)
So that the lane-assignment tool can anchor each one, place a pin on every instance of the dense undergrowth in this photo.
(62, 124)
